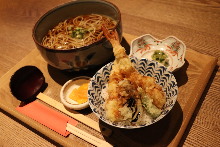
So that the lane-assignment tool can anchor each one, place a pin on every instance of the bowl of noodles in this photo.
(134, 107)
(69, 36)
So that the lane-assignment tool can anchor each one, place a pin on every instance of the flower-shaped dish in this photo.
(169, 52)
(98, 84)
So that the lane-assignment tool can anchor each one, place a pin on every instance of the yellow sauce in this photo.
(80, 94)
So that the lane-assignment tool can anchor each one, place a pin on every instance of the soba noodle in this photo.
(77, 32)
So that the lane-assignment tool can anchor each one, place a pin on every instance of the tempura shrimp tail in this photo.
(122, 62)
(112, 36)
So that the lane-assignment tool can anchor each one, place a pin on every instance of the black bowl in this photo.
(91, 56)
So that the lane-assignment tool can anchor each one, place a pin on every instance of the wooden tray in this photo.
(191, 79)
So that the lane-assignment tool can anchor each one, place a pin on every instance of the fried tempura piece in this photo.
(123, 72)
(150, 87)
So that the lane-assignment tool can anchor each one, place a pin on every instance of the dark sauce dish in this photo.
(83, 58)
(26, 83)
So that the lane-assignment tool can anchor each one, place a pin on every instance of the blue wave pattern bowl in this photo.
(144, 66)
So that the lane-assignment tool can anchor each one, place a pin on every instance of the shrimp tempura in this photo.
(124, 81)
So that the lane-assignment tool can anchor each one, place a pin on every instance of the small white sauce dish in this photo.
(66, 90)
(146, 45)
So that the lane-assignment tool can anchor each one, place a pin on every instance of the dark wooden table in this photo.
(196, 23)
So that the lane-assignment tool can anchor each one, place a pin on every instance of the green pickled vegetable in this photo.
(160, 57)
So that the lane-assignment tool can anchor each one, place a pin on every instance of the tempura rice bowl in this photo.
(97, 90)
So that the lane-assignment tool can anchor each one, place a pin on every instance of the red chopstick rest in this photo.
(48, 117)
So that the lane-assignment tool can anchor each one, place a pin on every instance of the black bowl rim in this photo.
(63, 5)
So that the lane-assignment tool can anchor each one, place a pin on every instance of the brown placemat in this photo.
(191, 79)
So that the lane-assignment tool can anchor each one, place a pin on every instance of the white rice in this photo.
(104, 93)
